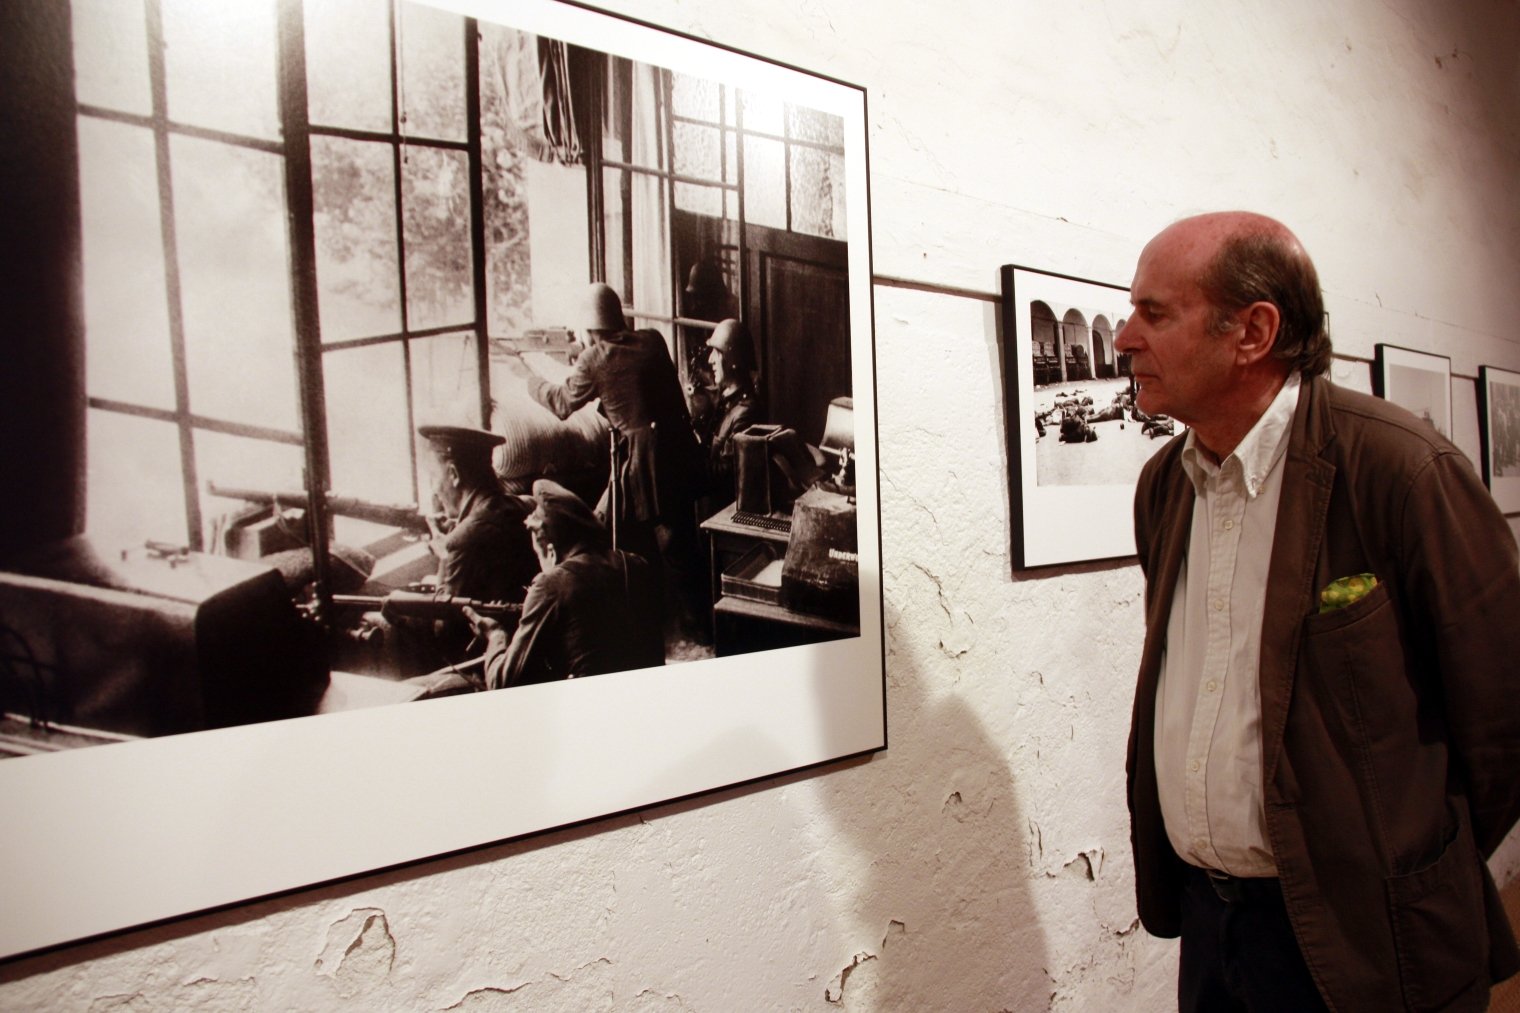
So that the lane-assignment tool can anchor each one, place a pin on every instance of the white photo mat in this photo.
(116, 836)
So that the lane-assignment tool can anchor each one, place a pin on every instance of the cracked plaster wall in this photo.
(981, 863)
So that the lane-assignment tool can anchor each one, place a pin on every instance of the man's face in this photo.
(715, 363)
(1181, 367)
(548, 558)
(445, 479)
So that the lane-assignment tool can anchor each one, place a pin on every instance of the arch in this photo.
(1121, 360)
(1076, 346)
(1103, 348)
(1044, 340)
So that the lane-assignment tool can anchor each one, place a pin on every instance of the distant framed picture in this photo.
(1499, 433)
(299, 231)
(1076, 441)
(1418, 381)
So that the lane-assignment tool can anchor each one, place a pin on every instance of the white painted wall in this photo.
(982, 862)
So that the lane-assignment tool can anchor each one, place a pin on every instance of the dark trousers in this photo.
(1238, 950)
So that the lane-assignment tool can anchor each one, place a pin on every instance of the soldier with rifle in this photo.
(657, 468)
(593, 609)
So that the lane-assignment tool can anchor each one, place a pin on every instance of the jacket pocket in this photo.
(1439, 930)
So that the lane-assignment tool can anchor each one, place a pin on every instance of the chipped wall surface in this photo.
(982, 862)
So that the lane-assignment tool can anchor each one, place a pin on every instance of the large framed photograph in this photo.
(1418, 381)
(395, 365)
(1499, 433)
(1076, 440)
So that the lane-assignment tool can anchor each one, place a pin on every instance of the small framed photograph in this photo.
(1499, 431)
(1076, 441)
(1418, 381)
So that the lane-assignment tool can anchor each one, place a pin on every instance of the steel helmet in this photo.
(602, 310)
(731, 339)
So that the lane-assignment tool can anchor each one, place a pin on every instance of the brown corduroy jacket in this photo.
(1390, 728)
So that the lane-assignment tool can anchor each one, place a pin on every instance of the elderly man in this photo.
(592, 609)
(1325, 744)
(659, 471)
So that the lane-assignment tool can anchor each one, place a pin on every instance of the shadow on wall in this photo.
(938, 913)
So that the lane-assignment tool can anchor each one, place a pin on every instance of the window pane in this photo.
(705, 200)
(812, 125)
(239, 462)
(764, 182)
(220, 63)
(508, 113)
(367, 437)
(817, 193)
(358, 279)
(694, 97)
(763, 114)
(111, 55)
(615, 222)
(229, 212)
(648, 126)
(697, 151)
(839, 229)
(432, 73)
(651, 248)
(446, 380)
(126, 316)
(615, 142)
(436, 198)
(348, 67)
(133, 489)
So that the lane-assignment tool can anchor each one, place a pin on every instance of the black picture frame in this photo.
(1417, 381)
(1499, 434)
(1069, 500)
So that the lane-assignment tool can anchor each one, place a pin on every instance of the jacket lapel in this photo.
(1296, 547)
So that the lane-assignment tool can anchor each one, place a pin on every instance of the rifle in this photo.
(396, 515)
(420, 605)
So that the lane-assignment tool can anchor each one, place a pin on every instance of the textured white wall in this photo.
(982, 862)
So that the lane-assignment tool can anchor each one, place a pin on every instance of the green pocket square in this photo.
(1340, 593)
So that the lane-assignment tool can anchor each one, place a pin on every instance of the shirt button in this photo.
(1229, 525)
(1211, 685)
(1193, 766)
(1218, 604)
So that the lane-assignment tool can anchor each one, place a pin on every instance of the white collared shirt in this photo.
(1208, 702)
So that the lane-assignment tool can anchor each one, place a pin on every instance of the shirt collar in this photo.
(1257, 454)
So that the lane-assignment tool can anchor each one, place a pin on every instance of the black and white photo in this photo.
(1499, 429)
(411, 364)
(1076, 439)
(1418, 381)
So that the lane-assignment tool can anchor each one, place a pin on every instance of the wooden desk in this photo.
(741, 626)
(727, 540)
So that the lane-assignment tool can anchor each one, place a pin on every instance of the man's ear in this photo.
(1258, 333)
(451, 475)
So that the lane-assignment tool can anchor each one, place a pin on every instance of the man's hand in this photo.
(482, 625)
(517, 367)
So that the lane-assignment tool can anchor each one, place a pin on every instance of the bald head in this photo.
(1241, 258)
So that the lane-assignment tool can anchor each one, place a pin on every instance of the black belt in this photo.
(1241, 889)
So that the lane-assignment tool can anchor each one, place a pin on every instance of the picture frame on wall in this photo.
(411, 200)
(1417, 381)
(1076, 442)
(1499, 433)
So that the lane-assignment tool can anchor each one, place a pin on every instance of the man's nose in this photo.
(1125, 340)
